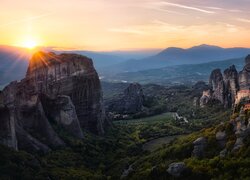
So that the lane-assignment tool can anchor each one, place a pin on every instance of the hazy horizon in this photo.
(124, 25)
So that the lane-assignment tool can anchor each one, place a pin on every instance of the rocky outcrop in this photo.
(221, 138)
(62, 110)
(223, 88)
(72, 75)
(60, 89)
(205, 98)
(231, 83)
(131, 101)
(177, 169)
(231, 87)
(217, 84)
(241, 129)
(7, 128)
(244, 75)
(199, 146)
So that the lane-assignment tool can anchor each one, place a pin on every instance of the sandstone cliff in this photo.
(230, 87)
(62, 89)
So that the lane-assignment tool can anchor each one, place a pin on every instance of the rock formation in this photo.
(221, 138)
(199, 146)
(177, 169)
(131, 101)
(244, 75)
(205, 98)
(63, 89)
(7, 128)
(217, 84)
(231, 83)
(223, 88)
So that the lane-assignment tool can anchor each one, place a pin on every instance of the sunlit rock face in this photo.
(64, 89)
(231, 87)
(72, 75)
(244, 82)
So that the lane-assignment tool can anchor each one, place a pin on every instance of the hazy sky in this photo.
(125, 24)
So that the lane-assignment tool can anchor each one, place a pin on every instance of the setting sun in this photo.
(30, 44)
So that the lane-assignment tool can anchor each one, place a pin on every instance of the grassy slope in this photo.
(101, 157)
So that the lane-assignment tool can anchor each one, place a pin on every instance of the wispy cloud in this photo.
(243, 20)
(25, 19)
(128, 31)
(215, 8)
(186, 7)
(168, 11)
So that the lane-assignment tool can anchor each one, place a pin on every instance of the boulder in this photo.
(223, 153)
(238, 144)
(221, 138)
(199, 146)
(176, 169)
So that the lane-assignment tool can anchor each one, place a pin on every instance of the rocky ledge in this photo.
(59, 91)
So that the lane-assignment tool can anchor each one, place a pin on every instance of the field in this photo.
(151, 128)
(161, 118)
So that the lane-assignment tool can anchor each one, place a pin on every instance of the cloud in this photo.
(215, 8)
(25, 19)
(186, 7)
(243, 20)
(127, 30)
(168, 11)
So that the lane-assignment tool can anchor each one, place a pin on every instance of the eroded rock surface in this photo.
(131, 101)
(63, 89)
(217, 84)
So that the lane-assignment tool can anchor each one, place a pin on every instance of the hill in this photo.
(178, 56)
(179, 74)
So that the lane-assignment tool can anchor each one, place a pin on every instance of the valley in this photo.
(124, 90)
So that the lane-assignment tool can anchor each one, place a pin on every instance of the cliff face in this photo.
(72, 75)
(244, 75)
(230, 87)
(217, 84)
(64, 89)
(131, 101)
(231, 82)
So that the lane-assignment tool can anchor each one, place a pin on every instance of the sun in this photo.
(30, 44)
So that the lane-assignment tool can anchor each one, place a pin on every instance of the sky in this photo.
(107, 25)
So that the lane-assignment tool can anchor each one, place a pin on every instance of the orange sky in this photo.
(124, 24)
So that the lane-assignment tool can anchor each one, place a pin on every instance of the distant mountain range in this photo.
(178, 74)
(112, 65)
(177, 56)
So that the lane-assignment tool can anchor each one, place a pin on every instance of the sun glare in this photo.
(30, 44)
